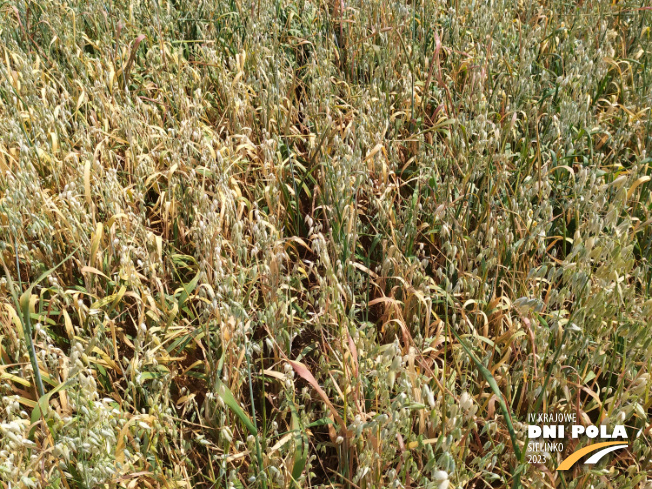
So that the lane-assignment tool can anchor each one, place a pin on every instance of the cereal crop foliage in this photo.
(331, 243)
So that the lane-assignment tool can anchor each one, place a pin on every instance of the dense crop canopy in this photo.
(354, 244)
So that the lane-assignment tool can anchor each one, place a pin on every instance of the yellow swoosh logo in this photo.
(575, 456)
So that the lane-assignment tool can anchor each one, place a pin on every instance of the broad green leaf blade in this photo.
(227, 396)
(494, 387)
(301, 447)
(187, 290)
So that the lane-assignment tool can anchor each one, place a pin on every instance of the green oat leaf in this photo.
(227, 396)
(494, 387)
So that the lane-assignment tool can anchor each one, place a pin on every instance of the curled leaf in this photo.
(305, 374)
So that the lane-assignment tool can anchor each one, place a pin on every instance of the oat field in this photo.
(332, 243)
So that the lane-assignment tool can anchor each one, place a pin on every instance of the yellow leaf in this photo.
(95, 241)
(15, 319)
(94, 270)
(14, 378)
(68, 323)
(638, 182)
